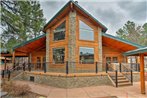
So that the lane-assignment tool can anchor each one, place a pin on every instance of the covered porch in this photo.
(142, 52)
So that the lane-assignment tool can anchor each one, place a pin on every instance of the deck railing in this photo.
(58, 67)
(112, 72)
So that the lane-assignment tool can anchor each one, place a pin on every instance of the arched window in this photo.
(59, 32)
(86, 32)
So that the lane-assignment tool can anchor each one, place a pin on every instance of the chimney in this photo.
(76, 2)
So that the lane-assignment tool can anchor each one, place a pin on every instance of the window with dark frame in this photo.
(59, 32)
(115, 60)
(58, 55)
(108, 59)
(85, 32)
(86, 55)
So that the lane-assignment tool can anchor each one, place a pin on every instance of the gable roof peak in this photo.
(74, 5)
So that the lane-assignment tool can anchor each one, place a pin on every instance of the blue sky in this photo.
(112, 13)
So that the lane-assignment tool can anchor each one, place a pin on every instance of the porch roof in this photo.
(31, 45)
(118, 43)
(137, 52)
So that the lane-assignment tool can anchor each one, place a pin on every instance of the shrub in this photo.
(15, 89)
(7, 86)
(20, 89)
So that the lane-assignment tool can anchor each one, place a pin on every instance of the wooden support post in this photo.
(5, 64)
(13, 58)
(142, 78)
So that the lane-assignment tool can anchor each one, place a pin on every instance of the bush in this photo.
(15, 89)
(20, 89)
(7, 86)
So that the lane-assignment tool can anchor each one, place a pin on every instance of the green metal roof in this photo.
(78, 6)
(122, 40)
(29, 41)
(137, 51)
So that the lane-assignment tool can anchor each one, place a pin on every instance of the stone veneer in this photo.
(99, 50)
(47, 47)
(72, 39)
(66, 82)
(70, 82)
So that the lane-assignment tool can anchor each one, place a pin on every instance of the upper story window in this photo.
(86, 32)
(59, 32)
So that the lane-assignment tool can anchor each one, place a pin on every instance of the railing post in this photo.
(106, 67)
(120, 67)
(9, 73)
(96, 67)
(3, 73)
(44, 66)
(66, 67)
(29, 66)
(138, 67)
(131, 77)
(14, 66)
(116, 78)
(23, 67)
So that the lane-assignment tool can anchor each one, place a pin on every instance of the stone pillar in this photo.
(100, 61)
(72, 41)
(47, 49)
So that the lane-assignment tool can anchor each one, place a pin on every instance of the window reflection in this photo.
(86, 32)
(86, 55)
(58, 55)
(59, 32)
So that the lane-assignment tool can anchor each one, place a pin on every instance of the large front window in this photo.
(86, 32)
(86, 55)
(58, 55)
(59, 32)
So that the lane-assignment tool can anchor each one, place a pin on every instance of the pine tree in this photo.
(20, 21)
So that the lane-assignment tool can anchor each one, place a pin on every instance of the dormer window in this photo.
(86, 32)
(59, 32)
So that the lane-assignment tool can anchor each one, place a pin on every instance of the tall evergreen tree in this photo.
(20, 21)
(134, 33)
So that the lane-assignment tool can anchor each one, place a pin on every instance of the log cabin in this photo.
(74, 36)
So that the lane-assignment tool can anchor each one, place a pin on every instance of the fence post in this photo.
(138, 67)
(116, 78)
(14, 66)
(106, 67)
(66, 67)
(9, 73)
(29, 66)
(44, 66)
(3, 73)
(120, 67)
(96, 63)
(23, 67)
(131, 77)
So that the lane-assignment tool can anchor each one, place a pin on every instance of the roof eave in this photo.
(27, 42)
(122, 40)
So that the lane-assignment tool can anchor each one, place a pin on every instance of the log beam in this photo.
(142, 78)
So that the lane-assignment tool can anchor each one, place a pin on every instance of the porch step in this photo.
(121, 80)
(124, 84)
